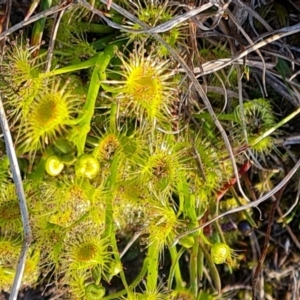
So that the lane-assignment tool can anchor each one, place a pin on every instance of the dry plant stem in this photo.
(253, 13)
(6, 20)
(132, 240)
(7, 13)
(288, 228)
(213, 66)
(247, 62)
(276, 54)
(292, 235)
(234, 290)
(34, 18)
(277, 85)
(273, 239)
(157, 29)
(293, 76)
(220, 90)
(246, 206)
(282, 216)
(192, 77)
(267, 239)
(279, 76)
(22, 202)
(58, 17)
(233, 19)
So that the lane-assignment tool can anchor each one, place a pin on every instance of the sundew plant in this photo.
(127, 138)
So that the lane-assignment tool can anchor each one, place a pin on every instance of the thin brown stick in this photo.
(267, 239)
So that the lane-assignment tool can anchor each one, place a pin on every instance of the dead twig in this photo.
(22, 202)
(35, 18)
(267, 239)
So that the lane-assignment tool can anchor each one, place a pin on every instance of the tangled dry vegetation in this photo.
(149, 149)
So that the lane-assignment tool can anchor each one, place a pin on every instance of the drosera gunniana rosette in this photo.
(10, 214)
(86, 253)
(21, 77)
(258, 117)
(147, 89)
(51, 112)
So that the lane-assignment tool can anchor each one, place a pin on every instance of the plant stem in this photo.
(109, 223)
(175, 269)
(133, 285)
(212, 267)
(82, 129)
(153, 254)
(113, 117)
(194, 268)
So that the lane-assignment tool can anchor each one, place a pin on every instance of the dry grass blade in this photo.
(216, 65)
(22, 201)
(248, 62)
(58, 17)
(278, 86)
(34, 18)
(253, 13)
(233, 19)
(157, 29)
